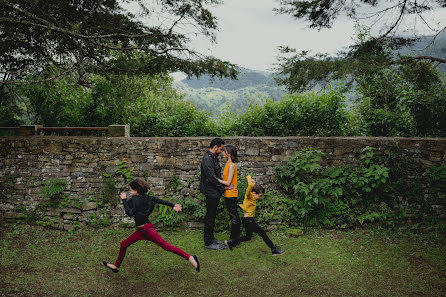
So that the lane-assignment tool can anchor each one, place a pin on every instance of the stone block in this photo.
(119, 130)
(193, 225)
(69, 216)
(52, 212)
(252, 151)
(187, 192)
(28, 130)
(70, 210)
(89, 206)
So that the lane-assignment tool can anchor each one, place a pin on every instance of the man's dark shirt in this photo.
(210, 171)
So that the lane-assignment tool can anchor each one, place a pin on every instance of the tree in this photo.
(370, 52)
(103, 37)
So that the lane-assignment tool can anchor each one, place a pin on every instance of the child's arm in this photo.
(164, 202)
(176, 207)
(251, 184)
(231, 172)
(128, 205)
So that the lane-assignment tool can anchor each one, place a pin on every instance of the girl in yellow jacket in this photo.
(253, 193)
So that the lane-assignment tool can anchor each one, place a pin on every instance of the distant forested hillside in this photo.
(251, 87)
(218, 95)
(429, 46)
(246, 78)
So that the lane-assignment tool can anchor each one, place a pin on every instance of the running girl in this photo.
(140, 206)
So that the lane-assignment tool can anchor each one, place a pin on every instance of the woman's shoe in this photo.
(198, 263)
(229, 244)
(112, 269)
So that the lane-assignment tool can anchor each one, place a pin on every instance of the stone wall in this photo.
(170, 164)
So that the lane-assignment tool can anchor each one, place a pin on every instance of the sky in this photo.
(250, 33)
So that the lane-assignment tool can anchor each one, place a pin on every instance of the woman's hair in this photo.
(232, 151)
(140, 185)
(258, 189)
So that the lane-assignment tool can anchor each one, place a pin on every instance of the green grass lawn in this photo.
(42, 262)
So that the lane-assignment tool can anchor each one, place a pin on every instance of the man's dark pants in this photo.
(209, 219)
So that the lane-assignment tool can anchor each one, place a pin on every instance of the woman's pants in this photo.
(250, 227)
(232, 207)
(148, 232)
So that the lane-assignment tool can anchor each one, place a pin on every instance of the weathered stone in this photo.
(194, 225)
(52, 213)
(68, 216)
(187, 192)
(252, 151)
(70, 210)
(83, 161)
(89, 206)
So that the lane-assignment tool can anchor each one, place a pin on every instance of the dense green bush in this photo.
(149, 104)
(332, 196)
(312, 113)
(408, 100)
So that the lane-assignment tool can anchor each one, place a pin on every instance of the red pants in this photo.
(148, 232)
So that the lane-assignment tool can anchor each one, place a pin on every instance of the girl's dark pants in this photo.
(250, 227)
(232, 207)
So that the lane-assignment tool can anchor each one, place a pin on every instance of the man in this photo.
(213, 190)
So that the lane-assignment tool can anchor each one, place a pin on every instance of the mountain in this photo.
(434, 46)
(254, 87)
(219, 95)
(246, 78)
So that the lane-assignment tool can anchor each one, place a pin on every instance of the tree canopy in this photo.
(383, 27)
(105, 37)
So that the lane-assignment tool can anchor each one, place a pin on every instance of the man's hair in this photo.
(140, 185)
(216, 142)
(258, 189)
(231, 150)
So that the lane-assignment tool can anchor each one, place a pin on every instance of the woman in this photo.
(231, 192)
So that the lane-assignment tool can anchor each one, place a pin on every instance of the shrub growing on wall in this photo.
(332, 196)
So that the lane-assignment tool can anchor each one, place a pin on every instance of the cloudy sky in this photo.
(250, 33)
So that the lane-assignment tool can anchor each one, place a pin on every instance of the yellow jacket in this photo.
(249, 204)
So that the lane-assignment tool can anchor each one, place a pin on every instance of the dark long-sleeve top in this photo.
(140, 207)
(210, 171)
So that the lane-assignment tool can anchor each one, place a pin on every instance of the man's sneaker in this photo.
(223, 245)
(214, 246)
(229, 244)
(277, 251)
